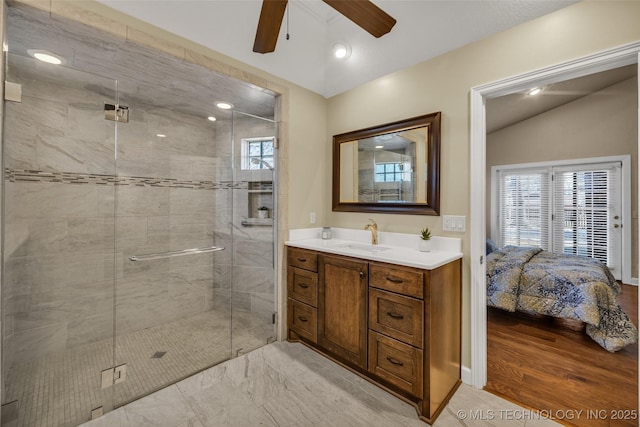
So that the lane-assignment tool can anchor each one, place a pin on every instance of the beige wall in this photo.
(443, 84)
(604, 123)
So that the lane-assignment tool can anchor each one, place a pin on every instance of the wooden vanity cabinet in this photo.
(342, 308)
(399, 326)
(302, 293)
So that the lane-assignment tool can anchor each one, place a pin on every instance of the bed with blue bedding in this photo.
(534, 281)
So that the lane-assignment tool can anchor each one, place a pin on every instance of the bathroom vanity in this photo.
(389, 313)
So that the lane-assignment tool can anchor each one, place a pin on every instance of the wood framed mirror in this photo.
(391, 168)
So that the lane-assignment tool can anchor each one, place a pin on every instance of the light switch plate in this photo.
(454, 223)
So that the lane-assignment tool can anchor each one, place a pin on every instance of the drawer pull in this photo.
(302, 318)
(393, 279)
(301, 259)
(395, 315)
(303, 286)
(394, 361)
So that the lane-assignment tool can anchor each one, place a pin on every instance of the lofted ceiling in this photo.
(511, 109)
(424, 29)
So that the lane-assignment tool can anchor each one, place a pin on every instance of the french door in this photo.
(563, 208)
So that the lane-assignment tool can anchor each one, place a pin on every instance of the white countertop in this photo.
(394, 248)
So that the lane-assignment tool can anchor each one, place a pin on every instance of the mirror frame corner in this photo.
(432, 205)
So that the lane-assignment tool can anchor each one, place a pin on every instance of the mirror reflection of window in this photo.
(386, 171)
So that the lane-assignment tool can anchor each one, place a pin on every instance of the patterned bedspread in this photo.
(565, 286)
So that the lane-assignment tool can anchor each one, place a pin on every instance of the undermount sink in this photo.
(364, 247)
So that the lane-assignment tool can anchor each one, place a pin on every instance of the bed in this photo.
(573, 287)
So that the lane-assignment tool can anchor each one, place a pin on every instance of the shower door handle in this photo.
(171, 254)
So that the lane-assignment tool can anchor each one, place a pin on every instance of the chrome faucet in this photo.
(374, 231)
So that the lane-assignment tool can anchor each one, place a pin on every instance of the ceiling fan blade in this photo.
(365, 14)
(269, 25)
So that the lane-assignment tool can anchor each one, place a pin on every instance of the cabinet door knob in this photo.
(394, 361)
(362, 274)
(395, 315)
(393, 279)
(302, 319)
(303, 286)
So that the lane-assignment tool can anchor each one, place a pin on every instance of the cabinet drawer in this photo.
(397, 363)
(302, 258)
(403, 280)
(302, 319)
(398, 316)
(302, 285)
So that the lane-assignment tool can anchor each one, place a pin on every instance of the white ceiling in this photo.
(425, 29)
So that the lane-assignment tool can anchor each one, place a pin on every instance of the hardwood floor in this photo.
(552, 365)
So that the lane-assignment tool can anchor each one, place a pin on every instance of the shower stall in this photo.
(134, 254)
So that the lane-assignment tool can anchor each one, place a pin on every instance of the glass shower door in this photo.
(172, 317)
(254, 228)
(58, 244)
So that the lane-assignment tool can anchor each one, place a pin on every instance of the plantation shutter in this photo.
(585, 197)
(524, 207)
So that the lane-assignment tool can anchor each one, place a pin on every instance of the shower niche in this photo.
(259, 203)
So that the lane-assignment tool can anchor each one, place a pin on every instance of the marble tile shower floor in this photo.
(287, 384)
(61, 389)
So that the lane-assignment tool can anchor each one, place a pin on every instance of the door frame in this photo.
(602, 61)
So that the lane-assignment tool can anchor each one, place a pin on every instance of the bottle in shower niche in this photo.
(326, 233)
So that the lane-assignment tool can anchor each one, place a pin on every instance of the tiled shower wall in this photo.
(73, 219)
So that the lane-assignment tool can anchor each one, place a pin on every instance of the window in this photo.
(257, 153)
(582, 200)
(568, 208)
(524, 208)
(389, 172)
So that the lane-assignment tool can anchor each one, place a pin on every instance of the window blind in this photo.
(524, 207)
(585, 197)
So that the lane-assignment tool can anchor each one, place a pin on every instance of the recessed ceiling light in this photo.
(224, 105)
(341, 50)
(161, 135)
(534, 91)
(379, 146)
(45, 56)
(211, 119)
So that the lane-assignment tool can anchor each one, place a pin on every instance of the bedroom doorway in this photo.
(602, 61)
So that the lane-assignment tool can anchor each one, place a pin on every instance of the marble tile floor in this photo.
(287, 384)
(61, 389)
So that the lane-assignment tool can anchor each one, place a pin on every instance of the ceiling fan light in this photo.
(341, 50)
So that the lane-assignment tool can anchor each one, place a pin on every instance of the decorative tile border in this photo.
(19, 175)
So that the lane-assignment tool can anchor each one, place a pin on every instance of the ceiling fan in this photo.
(363, 13)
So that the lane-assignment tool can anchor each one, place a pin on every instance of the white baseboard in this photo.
(466, 375)
(634, 281)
